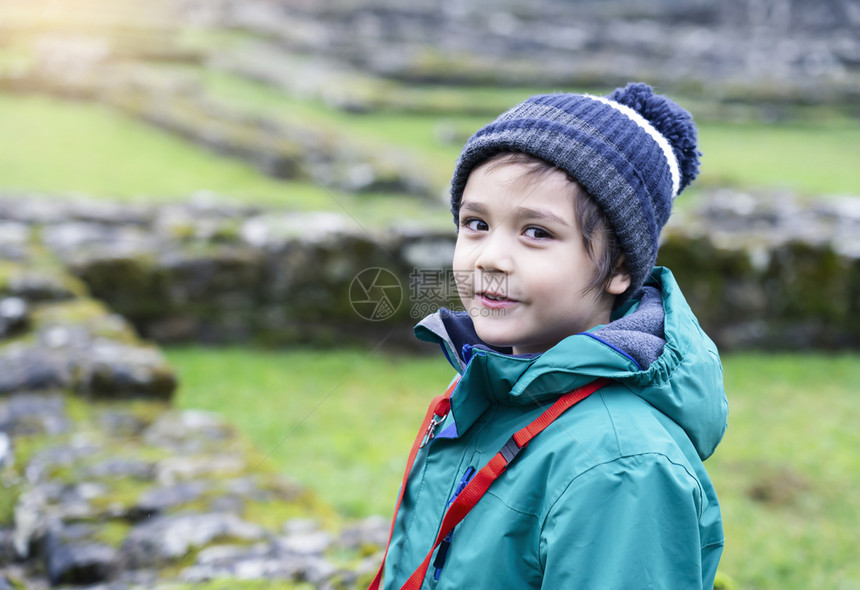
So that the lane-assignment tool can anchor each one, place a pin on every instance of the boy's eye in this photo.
(474, 224)
(538, 233)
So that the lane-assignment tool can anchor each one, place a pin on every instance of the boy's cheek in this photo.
(464, 281)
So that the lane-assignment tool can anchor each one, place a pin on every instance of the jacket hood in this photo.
(654, 347)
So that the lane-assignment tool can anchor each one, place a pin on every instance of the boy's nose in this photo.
(494, 255)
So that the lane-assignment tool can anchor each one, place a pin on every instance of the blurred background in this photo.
(191, 189)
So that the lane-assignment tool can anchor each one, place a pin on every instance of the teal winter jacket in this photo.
(612, 495)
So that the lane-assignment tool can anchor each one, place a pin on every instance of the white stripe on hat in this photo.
(661, 140)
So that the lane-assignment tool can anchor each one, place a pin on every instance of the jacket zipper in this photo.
(445, 545)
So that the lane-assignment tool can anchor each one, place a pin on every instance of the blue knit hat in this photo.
(633, 152)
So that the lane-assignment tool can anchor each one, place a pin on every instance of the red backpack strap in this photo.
(440, 406)
(479, 484)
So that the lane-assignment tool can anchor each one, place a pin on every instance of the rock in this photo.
(109, 213)
(234, 504)
(72, 359)
(70, 239)
(8, 554)
(32, 518)
(112, 369)
(261, 561)
(61, 455)
(223, 553)
(30, 413)
(215, 275)
(205, 218)
(372, 531)
(7, 454)
(314, 569)
(301, 526)
(188, 432)
(174, 469)
(14, 238)
(164, 539)
(307, 543)
(117, 468)
(14, 313)
(429, 251)
(272, 232)
(122, 423)
(75, 499)
(129, 277)
(158, 499)
(27, 369)
(76, 343)
(71, 559)
(39, 286)
(27, 209)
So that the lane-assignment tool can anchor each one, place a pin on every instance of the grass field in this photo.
(63, 147)
(787, 471)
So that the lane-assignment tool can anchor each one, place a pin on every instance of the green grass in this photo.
(339, 422)
(786, 473)
(57, 146)
(792, 443)
(61, 147)
(75, 147)
(811, 159)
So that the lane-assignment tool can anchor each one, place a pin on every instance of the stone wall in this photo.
(214, 273)
(760, 271)
(786, 51)
(770, 271)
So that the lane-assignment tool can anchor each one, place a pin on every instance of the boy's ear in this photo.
(620, 281)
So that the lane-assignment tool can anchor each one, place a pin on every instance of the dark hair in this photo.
(592, 222)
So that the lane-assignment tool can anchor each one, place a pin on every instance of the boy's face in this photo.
(520, 263)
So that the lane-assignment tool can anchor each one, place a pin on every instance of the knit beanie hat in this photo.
(633, 151)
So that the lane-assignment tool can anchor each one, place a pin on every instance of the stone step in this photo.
(140, 495)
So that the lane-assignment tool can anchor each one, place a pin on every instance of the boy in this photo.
(559, 204)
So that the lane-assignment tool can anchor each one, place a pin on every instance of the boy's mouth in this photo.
(495, 296)
(490, 299)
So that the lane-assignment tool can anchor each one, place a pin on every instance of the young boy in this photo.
(559, 205)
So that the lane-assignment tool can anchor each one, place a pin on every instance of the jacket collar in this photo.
(493, 377)
(684, 382)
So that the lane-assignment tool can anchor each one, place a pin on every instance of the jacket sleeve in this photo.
(629, 524)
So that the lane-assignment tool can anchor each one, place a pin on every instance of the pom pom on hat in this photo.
(673, 123)
(633, 152)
